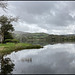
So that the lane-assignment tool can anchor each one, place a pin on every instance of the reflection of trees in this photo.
(6, 66)
(26, 59)
(35, 42)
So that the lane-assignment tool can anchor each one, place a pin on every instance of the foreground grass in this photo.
(9, 47)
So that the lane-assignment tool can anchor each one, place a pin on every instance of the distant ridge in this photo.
(19, 32)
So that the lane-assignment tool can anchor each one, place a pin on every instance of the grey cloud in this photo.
(48, 15)
(28, 10)
(34, 7)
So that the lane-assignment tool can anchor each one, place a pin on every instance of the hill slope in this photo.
(25, 36)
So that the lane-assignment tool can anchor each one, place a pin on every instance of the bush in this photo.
(11, 40)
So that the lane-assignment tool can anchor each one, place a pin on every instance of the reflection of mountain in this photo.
(6, 66)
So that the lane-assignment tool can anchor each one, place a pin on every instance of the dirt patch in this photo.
(2, 48)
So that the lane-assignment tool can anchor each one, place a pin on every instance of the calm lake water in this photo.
(52, 59)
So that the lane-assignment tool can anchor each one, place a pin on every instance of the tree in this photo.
(7, 66)
(6, 25)
(3, 5)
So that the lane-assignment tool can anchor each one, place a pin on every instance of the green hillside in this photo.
(23, 36)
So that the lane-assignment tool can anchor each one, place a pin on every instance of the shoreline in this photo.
(10, 47)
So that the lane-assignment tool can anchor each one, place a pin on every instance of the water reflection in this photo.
(47, 42)
(26, 59)
(40, 42)
(6, 65)
(57, 58)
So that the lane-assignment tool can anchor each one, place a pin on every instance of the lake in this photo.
(52, 59)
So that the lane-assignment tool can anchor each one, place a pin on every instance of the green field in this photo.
(9, 47)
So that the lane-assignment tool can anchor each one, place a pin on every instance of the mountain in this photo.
(42, 37)
(25, 36)
(19, 32)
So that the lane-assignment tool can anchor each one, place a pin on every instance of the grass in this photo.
(9, 47)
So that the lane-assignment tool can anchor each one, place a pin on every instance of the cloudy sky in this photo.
(53, 17)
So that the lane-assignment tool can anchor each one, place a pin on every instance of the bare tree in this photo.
(3, 5)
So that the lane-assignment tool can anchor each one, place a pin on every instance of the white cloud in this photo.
(22, 26)
(50, 17)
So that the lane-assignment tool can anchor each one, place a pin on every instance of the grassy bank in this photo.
(9, 47)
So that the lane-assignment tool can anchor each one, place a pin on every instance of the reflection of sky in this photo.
(58, 58)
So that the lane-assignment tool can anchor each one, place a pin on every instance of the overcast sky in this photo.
(53, 17)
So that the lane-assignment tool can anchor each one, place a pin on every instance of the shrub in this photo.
(11, 40)
(15, 41)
